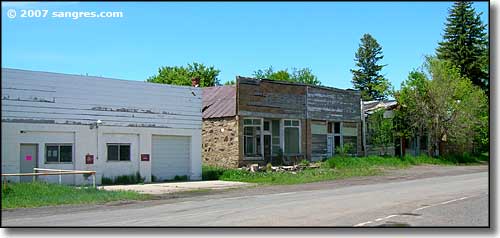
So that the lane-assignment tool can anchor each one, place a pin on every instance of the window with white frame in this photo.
(292, 136)
(118, 152)
(58, 153)
(252, 131)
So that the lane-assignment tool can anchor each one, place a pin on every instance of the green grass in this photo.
(335, 168)
(37, 194)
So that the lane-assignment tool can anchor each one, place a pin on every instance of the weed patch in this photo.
(37, 194)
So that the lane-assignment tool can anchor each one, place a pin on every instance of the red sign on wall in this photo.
(144, 157)
(89, 159)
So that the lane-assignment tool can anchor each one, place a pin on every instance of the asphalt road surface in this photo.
(452, 200)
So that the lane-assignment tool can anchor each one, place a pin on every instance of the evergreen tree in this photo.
(465, 43)
(367, 77)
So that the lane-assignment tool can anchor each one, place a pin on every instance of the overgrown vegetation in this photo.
(447, 105)
(37, 194)
(334, 168)
(381, 131)
(123, 179)
(212, 172)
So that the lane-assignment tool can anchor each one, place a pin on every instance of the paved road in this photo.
(458, 200)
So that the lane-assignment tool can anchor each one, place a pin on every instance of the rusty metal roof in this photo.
(219, 101)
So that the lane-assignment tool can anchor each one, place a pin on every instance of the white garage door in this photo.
(170, 157)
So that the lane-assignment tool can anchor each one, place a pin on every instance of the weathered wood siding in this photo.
(333, 104)
(41, 97)
(268, 99)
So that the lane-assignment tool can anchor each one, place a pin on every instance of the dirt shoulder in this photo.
(416, 172)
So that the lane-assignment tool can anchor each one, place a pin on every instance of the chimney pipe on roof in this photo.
(195, 82)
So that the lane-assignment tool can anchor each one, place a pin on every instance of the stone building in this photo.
(262, 121)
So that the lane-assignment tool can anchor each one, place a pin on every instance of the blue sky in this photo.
(237, 38)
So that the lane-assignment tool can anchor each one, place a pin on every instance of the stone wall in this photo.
(220, 142)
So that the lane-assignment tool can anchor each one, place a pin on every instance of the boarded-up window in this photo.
(350, 136)
(319, 138)
(319, 144)
(318, 128)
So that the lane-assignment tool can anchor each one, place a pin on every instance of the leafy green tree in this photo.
(304, 75)
(381, 131)
(465, 43)
(180, 75)
(367, 77)
(438, 99)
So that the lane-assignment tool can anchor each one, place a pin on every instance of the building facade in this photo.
(114, 127)
(271, 120)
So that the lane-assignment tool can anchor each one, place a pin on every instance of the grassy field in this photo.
(37, 194)
(333, 168)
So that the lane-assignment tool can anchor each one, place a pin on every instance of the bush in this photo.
(344, 150)
(269, 167)
(123, 179)
(304, 162)
(211, 172)
(181, 178)
(106, 181)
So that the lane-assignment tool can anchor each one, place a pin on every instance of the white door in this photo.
(170, 157)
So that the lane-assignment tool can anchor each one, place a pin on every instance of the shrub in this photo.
(106, 181)
(211, 172)
(304, 162)
(123, 179)
(269, 167)
(344, 150)
(181, 178)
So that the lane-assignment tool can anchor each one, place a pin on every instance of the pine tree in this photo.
(367, 77)
(465, 43)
